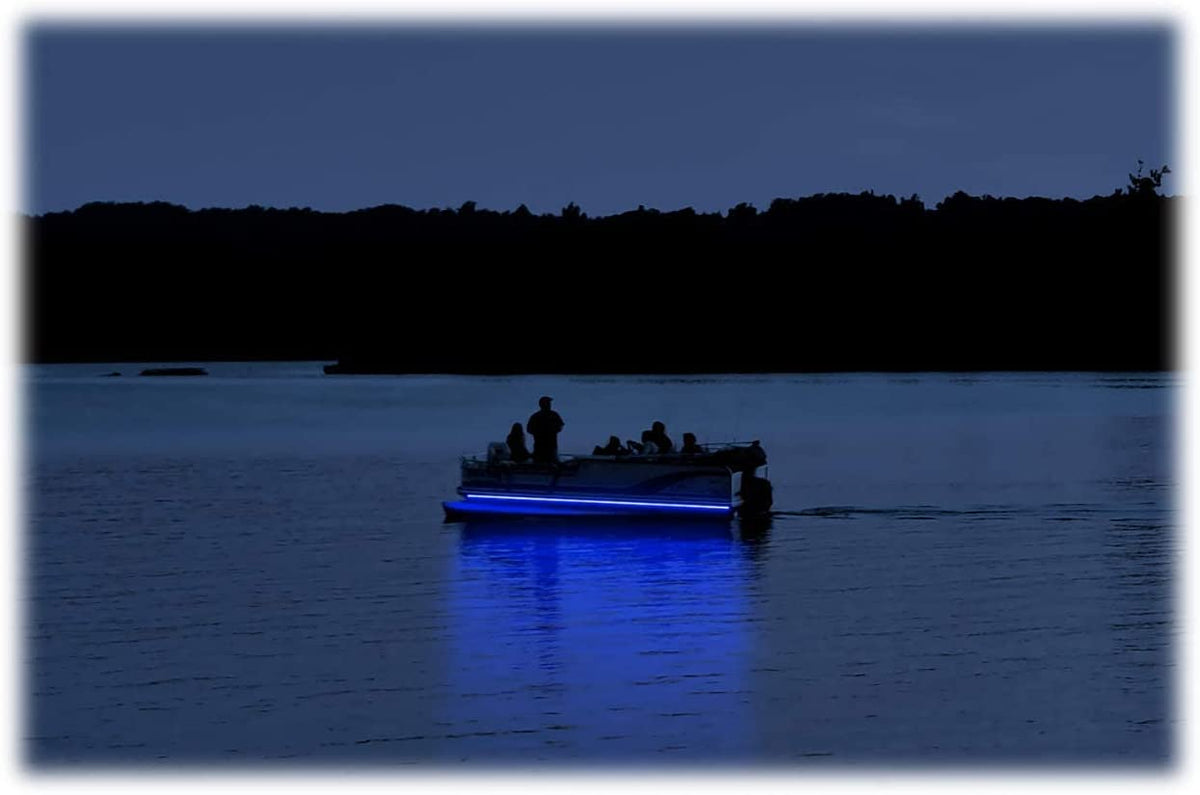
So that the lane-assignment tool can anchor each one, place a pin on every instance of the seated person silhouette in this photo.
(645, 447)
(658, 435)
(689, 445)
(516, 444)
(614, 447)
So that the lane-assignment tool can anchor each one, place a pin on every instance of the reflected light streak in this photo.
(613, 503)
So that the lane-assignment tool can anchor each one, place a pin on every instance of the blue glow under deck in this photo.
(682, 506)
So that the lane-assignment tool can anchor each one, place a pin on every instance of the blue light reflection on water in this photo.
(622, 639)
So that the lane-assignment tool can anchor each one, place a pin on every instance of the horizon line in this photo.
(1118, 191)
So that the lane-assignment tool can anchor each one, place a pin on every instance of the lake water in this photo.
(251, 569)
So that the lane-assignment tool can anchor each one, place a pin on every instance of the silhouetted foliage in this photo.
(1146, 186)
(817, 283)
(572, 213)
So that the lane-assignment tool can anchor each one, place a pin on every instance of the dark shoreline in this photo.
(825, 283)
(332, 368)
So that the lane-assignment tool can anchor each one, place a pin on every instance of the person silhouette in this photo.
(516, 444)
(614, 447)
(689, 445)
(647, 446)
(543, 426)
(658, 435)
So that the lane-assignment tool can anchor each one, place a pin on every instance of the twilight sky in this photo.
(342, 117)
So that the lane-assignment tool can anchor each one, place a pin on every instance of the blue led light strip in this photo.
(578, 501)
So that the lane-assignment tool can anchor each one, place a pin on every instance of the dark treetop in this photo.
(823, 283)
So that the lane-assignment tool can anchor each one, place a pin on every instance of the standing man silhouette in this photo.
(544, 426)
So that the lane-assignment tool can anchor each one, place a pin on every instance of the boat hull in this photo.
(475, 506)
(596, 486)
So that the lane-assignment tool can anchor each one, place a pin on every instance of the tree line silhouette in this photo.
(828, 282)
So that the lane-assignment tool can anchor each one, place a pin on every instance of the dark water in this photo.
(251, 568)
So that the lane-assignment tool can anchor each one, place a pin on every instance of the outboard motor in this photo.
(741, 459)
(756, 492)
(756, 495)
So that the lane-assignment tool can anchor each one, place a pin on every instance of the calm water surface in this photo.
(252, 568)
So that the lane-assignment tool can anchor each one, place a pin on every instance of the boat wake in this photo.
(1053, 512)
(901, 512)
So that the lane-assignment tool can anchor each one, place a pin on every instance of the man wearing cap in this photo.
(544, 426)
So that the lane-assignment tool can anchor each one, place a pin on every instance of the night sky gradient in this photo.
(339, 118)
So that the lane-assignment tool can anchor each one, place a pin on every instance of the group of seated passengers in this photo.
(654, 442)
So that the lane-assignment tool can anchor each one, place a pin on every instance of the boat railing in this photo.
(479, 463)
(714, 446)
(721, 453)
(708, 447)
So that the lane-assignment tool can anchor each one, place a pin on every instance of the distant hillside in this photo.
(823, 283)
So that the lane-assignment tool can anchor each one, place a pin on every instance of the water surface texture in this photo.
(251, 568)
